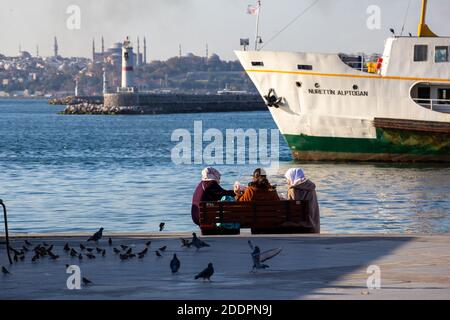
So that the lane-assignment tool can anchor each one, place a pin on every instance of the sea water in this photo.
(76, 173)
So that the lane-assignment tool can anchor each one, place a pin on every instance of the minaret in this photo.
(20, 48)
(76, 87)
(93, 50)
(55, 47)
(207, 52)
(138, 62)
(179, 51)
(37, 50)
(103, 47)
(145, 51)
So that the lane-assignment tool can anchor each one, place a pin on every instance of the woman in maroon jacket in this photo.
(208, 190)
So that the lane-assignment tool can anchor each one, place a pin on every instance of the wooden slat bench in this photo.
(265, 217)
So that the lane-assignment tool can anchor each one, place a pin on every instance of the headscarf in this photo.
(211, 174)
(295, 176)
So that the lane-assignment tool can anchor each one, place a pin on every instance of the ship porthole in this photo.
(317, 85)
(355, 87)
(298, 84)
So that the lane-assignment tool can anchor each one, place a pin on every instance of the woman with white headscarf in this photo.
(301, 188)
(208, 189)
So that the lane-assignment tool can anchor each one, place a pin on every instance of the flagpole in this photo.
(257, 26)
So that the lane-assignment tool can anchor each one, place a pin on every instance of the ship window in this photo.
(304, 67)
(424, 93)
(420, 53)
(257, 63)
(444, 96)
(441, 54)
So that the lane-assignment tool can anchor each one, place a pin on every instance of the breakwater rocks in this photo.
(87, 108)
(73, 100)
(145, 103)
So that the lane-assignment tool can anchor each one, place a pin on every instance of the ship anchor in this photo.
(272, 100)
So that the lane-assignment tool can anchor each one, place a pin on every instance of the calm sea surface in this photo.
(76, 173)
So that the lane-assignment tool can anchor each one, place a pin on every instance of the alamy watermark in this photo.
(73, 21)
(374, 20)
(74, 280)
(231, 147)
(374, 280)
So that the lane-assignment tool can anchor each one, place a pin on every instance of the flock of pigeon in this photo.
(125, 252)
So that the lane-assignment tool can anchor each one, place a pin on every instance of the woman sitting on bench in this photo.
(259, 189)
(208, 190)
(301, 188)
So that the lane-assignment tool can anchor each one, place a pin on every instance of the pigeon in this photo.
(116, 251)
(73, 252)
(175, 264)
(45, 244)
(86, 281)
(53, 256)
(5, 271)
(256, 256)
(50, 248)
(143, 252)
(185, 243)
(90, 256)
(80, 257)
(158, 254)
(14, 250)
(25, 249)
(123, 247)
(207, 273)
(82, 247)
(196, 242)
(162, 248)
(66, 247)
(148, 243)
(99, 250)
(16, 258)
(141, 256)
(103, 252)
(96, 236)
(392, 31)
(132, 255)
(36, 257)
(67, 266)
(123, 256)
(110, 241)
(89, 249)
(129, 251)
(28, 243)
(161, 226)
(22, 257)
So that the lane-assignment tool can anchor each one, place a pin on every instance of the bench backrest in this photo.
(254, 214)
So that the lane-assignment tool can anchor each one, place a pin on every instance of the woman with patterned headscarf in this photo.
(208, 189)
(301, 188)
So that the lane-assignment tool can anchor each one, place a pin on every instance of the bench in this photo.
(265, 217)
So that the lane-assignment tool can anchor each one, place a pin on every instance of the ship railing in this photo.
(441, 105)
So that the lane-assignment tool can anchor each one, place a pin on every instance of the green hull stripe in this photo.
(387, 142)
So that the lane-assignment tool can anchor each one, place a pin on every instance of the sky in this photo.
(329, 26)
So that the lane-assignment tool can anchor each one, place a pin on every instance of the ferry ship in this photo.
(395, 107)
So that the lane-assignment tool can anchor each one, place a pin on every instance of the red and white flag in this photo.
(253, 9)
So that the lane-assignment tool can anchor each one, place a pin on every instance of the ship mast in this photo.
(257, 37)
(424, 30)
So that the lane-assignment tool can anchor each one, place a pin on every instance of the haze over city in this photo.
(329, 26)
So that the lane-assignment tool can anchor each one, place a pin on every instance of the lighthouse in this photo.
(127, 66)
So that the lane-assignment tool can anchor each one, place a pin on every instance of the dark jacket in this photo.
(207, 191)
(307, 191)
